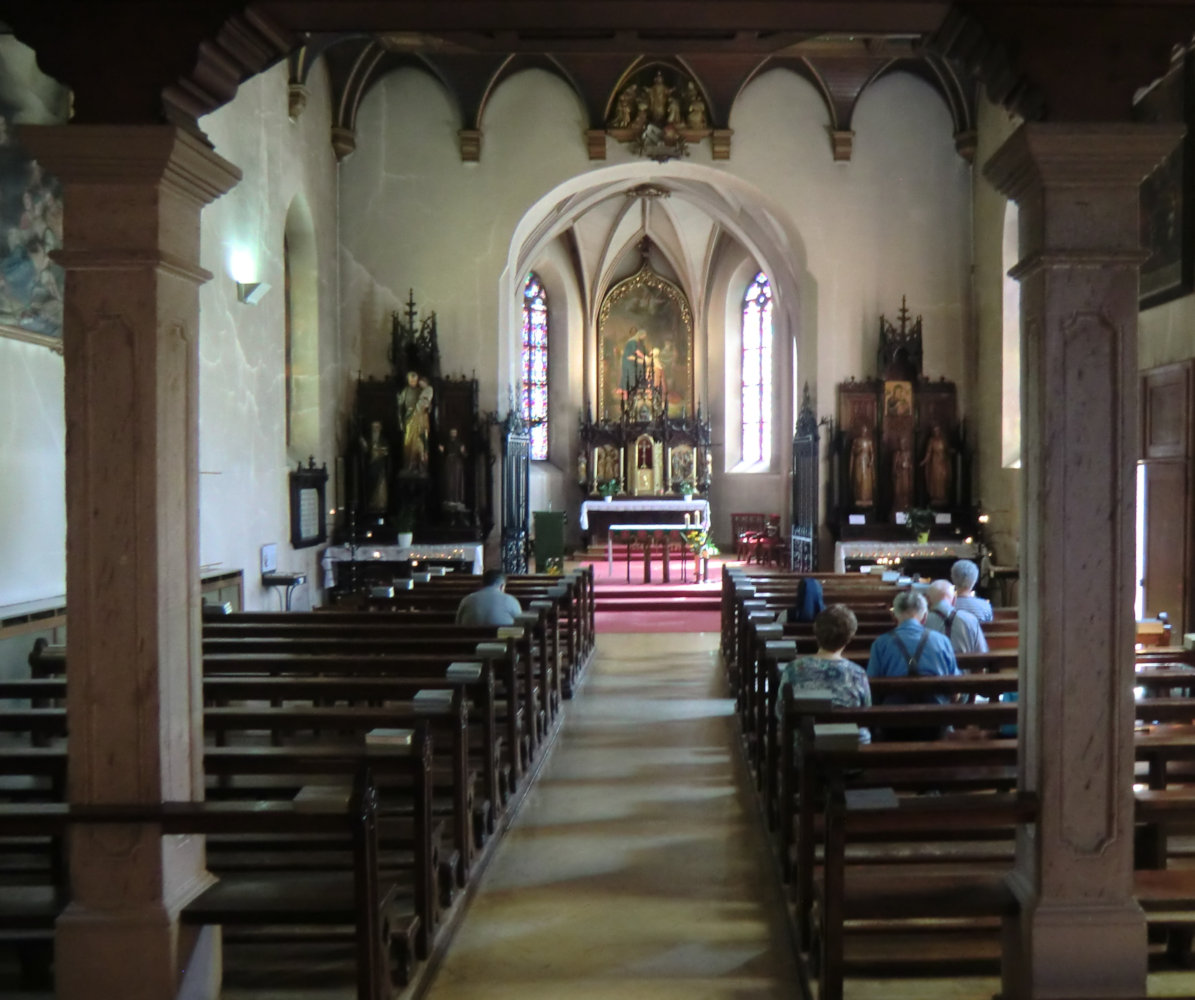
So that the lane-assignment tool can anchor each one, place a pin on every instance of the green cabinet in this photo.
(549, 541)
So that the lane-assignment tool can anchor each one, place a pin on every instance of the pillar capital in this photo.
(132, 155)
(134, 193)
(1041, 154)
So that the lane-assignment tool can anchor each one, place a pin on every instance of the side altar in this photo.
(418, 459)
(899, 451)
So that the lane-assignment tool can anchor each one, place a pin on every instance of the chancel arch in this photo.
(708, 233)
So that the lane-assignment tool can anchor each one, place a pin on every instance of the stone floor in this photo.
(636, 868)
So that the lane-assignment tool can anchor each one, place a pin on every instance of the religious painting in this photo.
(607, 463)
(683, 462)
(1167, 216)
(645, 348)
(898, 399)
(31, 285)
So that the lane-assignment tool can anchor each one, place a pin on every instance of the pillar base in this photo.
(134, 954)
(1055, 952)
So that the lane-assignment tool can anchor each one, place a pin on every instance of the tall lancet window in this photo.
(534, 391)
(757, 371)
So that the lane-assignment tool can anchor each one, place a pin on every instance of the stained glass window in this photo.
(757, 371)
(534, 392)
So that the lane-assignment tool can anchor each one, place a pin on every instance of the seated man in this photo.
(912, 650)
(960, 627)
(964, 575)
(827, 669)
(490, 605)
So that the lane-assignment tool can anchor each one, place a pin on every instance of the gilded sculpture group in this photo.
(660, 105)
(935, 463)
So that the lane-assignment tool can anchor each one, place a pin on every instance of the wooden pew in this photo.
(359, 900)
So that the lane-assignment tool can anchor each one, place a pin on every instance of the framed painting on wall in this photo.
(645, 333)
(1167, 216)
(31, 285)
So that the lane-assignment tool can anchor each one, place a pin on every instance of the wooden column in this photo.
(133, 197)
(1081, 932)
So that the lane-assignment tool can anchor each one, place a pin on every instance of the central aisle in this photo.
(636, 867)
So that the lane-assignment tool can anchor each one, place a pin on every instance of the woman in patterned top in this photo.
(827, 670)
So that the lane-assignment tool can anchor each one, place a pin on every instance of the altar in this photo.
(912, 555)
(597, 515)
(392, 560)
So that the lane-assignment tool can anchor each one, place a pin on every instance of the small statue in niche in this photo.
(414, 417)
(937, 467)
(452, 471)
(863, 468)
(624, 110)
(902, 478)
(376, 451)
(695, 117)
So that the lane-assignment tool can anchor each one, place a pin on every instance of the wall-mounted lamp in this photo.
(251, 292)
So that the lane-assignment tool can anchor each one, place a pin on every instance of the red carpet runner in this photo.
(656, 606)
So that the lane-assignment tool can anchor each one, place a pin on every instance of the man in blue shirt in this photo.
(959, 626)
(491, 605)
(911, 649)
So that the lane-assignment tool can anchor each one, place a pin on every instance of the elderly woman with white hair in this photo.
(964, 574)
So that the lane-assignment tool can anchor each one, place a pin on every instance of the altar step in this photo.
(662, 597)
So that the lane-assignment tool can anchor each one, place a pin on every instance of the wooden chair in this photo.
(747, 528)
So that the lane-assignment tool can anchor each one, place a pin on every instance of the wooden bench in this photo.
(357, 906)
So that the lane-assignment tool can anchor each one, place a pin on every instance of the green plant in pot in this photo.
(919, 521)
(404, 523)
(609, 488)
(686, 488)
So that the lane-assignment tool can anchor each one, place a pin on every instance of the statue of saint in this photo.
(657, 98)
(863, 468)
(452, 469)
(695, 117)
(937, 467)
(414, 417)
(376, 450)
(902, 478)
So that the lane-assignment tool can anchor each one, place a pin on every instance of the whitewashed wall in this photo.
(894, 221)
(243, 460)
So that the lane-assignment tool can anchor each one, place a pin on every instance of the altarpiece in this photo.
(418, 456)
(649, 438)
(899, 444)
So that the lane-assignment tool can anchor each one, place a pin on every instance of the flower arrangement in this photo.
(699, 542)
(685, 487)
(919, 520)
(609, 487)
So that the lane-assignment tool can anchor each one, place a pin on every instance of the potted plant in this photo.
(919, 521)
(609, 488)
(686, 488)
(404, 521)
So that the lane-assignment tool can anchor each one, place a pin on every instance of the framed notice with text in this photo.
(308, 491)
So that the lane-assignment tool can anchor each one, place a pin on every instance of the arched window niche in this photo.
(533, 385)
(302, 334)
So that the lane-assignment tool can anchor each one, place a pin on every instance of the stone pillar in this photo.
(133, 197)
(1081, 932)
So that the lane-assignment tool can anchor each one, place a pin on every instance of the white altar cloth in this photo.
(680, 507)
(901, 550)
(471, 553)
